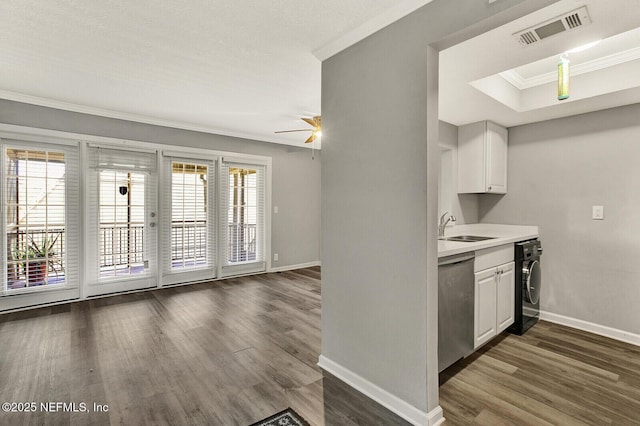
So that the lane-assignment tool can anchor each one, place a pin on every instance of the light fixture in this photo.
(583, 47)
(563, 69)
(563, 78)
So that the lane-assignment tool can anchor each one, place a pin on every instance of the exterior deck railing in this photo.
(122, 245)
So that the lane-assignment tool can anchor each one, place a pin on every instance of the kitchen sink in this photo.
(468, 238)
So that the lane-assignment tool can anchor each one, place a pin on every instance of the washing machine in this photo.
(528, 278)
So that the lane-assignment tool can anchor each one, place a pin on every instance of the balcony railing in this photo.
(188, 242)
(241, 245)
(122, 246)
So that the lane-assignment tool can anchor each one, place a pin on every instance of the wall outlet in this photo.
(275, 257)
(597, 213)
(275, 209)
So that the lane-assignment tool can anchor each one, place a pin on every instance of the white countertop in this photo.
(505, 234)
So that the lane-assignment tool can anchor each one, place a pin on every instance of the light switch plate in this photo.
(597, 213)
(275, 209)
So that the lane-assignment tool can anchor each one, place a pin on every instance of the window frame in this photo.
(260, 265)
(70, 287)
(77, 146)
(146, 164)
(209, 271)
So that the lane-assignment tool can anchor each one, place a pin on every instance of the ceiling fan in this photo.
(316, 130)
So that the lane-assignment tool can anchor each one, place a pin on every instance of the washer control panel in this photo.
(528, 249)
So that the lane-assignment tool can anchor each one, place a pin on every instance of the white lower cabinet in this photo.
(505, 297)
(494, 294)
(485, 306)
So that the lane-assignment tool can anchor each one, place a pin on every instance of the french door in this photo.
(189, 207)
(207, 220)
(40, 222)
(213, 218)
(242, 218)
(121, 237)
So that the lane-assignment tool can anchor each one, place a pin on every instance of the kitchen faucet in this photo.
(443, 223)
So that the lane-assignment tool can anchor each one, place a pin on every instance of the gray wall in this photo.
(464, 206)
(295, 230)
(379, 196)
(557, 170)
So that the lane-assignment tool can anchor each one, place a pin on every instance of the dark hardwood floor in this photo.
(235, 351)
(230, 352)
(552, 375)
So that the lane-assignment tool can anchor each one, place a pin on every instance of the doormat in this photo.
(286, 417)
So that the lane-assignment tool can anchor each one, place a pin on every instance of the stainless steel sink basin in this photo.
(468, 238)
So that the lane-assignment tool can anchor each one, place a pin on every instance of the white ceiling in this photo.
(473, 86)
(240, 68)
(248, 69)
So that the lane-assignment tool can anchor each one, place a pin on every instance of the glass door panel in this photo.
(244, 227)
(188, 216)
(35, 219)
(189, 231)
(122, 223)
(121, 220)
(39, 190)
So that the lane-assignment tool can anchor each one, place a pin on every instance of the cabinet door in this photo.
(496, 155)
(471, 158)
(505, 300)
(485, 306)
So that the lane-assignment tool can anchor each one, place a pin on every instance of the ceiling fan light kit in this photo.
(316, 130)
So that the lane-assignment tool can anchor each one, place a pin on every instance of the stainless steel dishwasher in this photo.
(455, 308)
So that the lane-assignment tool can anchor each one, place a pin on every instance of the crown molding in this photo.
(513, 77)
(521, 83)
(138, 118)
(366, 29)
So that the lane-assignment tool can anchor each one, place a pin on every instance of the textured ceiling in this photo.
(242, 68)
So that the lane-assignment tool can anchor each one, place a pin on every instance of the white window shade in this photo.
(107, 158)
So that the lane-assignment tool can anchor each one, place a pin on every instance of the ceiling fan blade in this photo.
(311, 138)
(289, 131)
(310, 121)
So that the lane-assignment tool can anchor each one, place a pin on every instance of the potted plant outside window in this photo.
(37, 258)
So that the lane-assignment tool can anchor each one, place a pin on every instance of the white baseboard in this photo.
(292, 267)
(396, 405)
(602, 330)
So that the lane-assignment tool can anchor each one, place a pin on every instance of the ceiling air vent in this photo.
(557, 25)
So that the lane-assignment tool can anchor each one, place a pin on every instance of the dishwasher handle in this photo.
(452, 260)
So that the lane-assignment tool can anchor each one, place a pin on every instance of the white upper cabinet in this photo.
(482, 158)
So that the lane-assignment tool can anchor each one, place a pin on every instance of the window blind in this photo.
(188, 219)
(40, 221)
(242, 217)
(121, 200)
